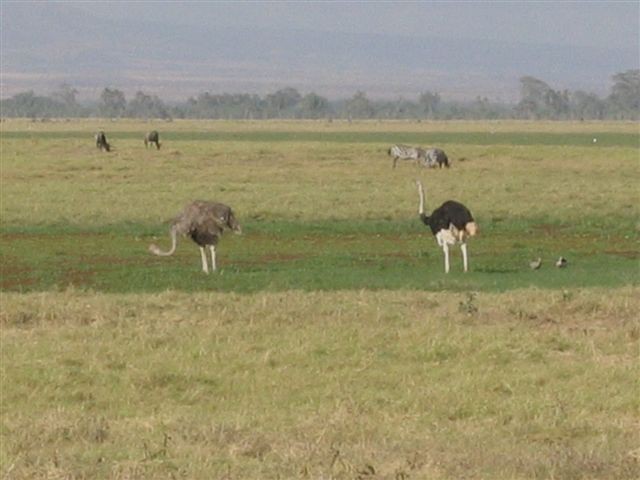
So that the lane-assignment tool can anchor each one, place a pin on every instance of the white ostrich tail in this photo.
(471, 228)
(153, 248)
(421, 193)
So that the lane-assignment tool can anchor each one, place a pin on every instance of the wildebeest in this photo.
(436, 157)
(152, 137)
(406, 152)
(101, 142)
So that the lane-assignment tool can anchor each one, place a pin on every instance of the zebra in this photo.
(435, 157)
(405, 152)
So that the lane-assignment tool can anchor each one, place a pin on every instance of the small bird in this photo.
(535, 264)
(561, 262)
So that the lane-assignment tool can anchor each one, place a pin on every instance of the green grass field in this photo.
(330, 344)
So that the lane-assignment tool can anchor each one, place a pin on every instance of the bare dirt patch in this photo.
(632, 254)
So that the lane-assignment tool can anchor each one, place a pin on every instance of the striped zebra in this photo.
(434, 157)
(405, 152)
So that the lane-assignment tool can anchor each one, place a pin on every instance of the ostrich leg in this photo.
(213, 257)
(445, 249)
(205, 267)
(465, 256)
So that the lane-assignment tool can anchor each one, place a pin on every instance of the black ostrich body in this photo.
(449, 213)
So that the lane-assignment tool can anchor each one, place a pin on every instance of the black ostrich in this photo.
(451, 223)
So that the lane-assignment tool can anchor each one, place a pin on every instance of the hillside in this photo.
(48, 44)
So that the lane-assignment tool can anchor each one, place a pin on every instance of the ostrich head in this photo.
(153, 248)
(229, 220)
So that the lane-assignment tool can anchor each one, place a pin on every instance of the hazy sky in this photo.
(459, 48)
(593, 23)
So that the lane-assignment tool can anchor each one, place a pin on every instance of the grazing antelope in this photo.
(152, 138)
(435, 157)
(101, 142)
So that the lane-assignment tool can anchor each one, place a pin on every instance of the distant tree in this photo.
(282, 102)
(479, 108)
(252, 106)
(586, 105)
(112, 103)
(239, 106)
(359, 106)
(532, 94)
(399, 108)
(625, 94)
(66, 95)
(451, 110)
(203, 106)
(30, 105)
(429, 103)
(539, 100)
(313, 106)
(558, 103)
(147, 106)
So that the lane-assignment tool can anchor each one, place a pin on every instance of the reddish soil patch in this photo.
(624, 253)
(77, 277)
(16, 284)
(107, 260)
(14, 275)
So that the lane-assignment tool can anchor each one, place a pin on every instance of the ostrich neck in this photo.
(421, 193)
(174, 244)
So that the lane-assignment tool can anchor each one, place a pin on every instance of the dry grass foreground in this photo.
(321, 385)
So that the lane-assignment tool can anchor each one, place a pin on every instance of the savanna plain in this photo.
(329, 344)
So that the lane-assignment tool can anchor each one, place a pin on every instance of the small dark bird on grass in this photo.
(535, 264)
(561, 262)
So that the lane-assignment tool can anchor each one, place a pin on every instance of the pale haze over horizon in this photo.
(610, 23)
(387, 49)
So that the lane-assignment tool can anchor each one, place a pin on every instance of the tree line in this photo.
(538, 100)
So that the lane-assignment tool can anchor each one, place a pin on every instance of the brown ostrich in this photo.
(204, 222)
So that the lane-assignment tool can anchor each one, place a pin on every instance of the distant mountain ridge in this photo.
(42, 50)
